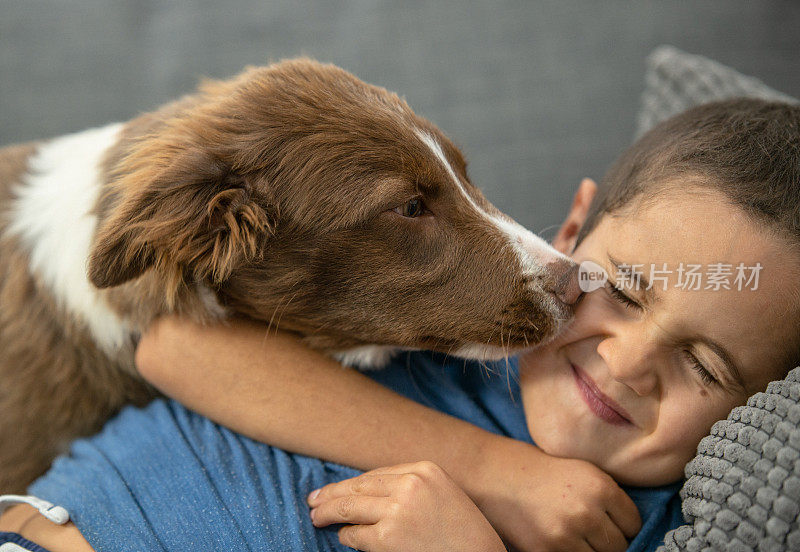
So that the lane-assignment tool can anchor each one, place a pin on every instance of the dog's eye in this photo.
(412, 208)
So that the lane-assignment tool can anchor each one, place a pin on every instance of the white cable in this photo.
(56, 514)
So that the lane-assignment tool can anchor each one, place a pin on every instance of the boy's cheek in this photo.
(685, 422)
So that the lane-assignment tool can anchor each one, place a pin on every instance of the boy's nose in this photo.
(632, 366)
(563, 282)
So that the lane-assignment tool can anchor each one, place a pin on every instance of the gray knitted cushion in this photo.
(743, 488)
(676, 81)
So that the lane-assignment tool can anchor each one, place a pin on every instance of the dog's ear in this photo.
(193, 217)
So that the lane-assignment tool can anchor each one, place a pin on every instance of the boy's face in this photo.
(636, 381)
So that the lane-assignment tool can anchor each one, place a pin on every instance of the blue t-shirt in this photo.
(165, 478)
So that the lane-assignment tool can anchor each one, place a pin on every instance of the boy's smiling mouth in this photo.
(600, 404)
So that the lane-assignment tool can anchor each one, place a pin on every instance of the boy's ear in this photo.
(568, 233)
(194, 216)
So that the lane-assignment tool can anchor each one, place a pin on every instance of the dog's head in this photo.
(306, 197)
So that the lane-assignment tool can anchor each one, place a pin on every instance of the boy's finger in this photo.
(582, 546)
(352, 510)
(608, 538)
(359, 537)
(367, 484)
(625, 515)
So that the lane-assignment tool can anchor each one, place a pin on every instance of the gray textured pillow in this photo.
(676, 81)
(743, 488)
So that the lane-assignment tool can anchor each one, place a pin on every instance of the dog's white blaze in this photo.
(53, 219)
(532, 251)
(434, 146)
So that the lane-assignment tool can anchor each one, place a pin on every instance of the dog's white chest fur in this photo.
(52, 216)
(367, 357)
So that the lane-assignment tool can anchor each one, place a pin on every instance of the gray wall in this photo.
(538, 94)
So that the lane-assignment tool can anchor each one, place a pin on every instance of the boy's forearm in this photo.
(274, 389)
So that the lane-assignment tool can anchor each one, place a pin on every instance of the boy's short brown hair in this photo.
(748, 149)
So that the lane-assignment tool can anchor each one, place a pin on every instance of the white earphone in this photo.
(56, 514)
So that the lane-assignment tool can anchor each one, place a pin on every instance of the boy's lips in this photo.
(600, 404)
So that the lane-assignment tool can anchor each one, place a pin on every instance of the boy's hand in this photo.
(404, 508)
(540, 502)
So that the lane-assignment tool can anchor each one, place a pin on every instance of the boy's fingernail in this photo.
(313, 495)
(313, 514)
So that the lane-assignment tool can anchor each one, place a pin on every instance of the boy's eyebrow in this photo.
(639, 279)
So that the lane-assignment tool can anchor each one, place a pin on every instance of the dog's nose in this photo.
(563, 281)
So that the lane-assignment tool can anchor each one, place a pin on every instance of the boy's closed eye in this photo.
(621, 297)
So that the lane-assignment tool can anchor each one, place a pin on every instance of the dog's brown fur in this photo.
(273, 192)
(54, 381)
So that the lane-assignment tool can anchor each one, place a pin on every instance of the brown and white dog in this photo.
(294, 194)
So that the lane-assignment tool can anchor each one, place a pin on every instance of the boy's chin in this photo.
(624, 470)
(645, 473)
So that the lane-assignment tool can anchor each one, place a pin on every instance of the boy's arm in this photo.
(419, 507)
(272, 388)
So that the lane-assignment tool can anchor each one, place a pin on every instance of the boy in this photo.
(649, 363)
